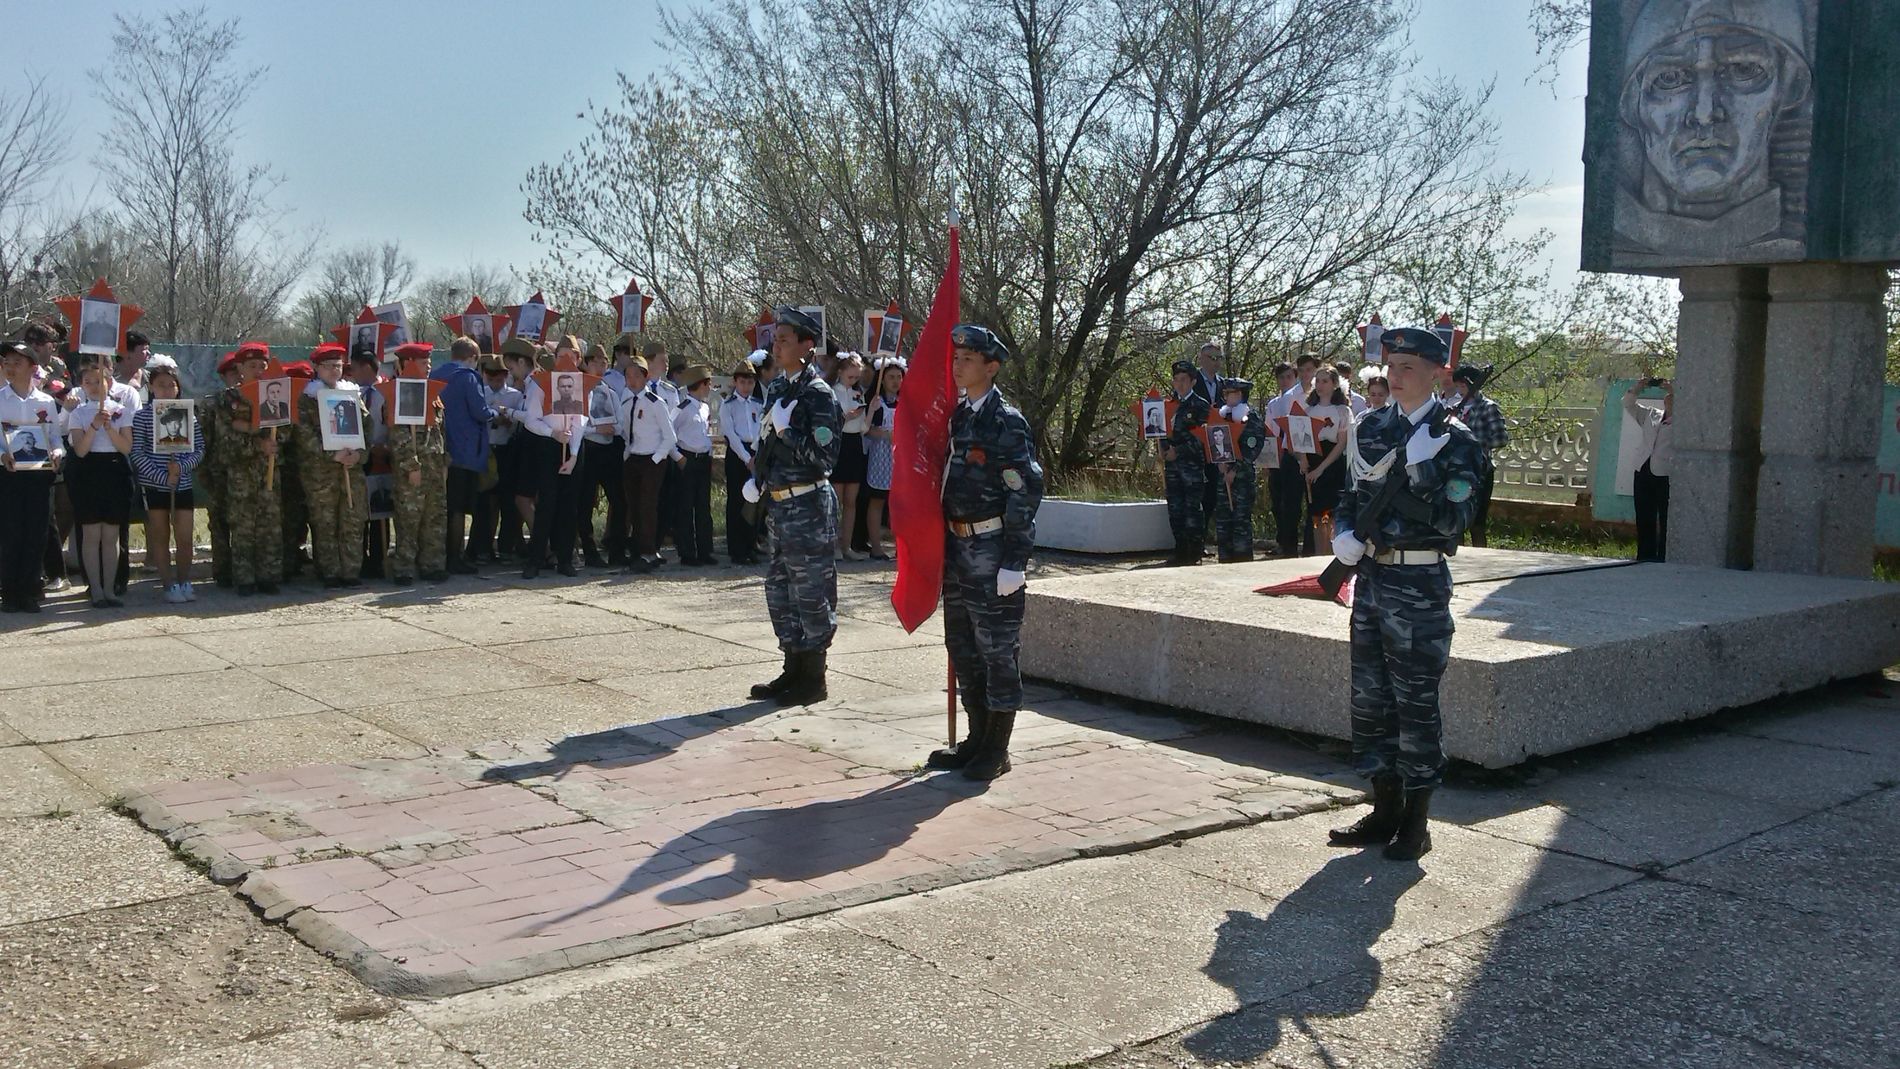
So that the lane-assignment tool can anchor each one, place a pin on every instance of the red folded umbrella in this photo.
(1308, 587)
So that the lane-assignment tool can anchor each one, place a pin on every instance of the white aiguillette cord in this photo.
(1362, 471)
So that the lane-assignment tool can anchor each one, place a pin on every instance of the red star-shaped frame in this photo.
(757, 334)
(1203, 432)
(71, 308)
(253, 392)
(364, 318)
(1369, 334)
(877, 330)
(1453, 337)
(1285, 425)
(621, 302)
(414, 368)
(565, 365)
(1167, 411)
(548, 318)
(497, 321)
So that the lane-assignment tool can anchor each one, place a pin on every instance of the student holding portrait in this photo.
(99, 433)
(333, 482)
(26, 493)
(166, 480)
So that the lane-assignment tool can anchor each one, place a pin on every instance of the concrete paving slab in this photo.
(86, 710)
(1798, 866)
(408, 677)
(793, 997)
(10, 737)
(158, 978)
(702, 600)
(854, 636)
(68, 620)
(394, 1040)
(1838, 718)
(332, 641)
(689, 691)
(493, 617)
(1760, 770)
(914, 668)
(659, 649)
(92, 859)
(224, 610)
(118, 763)
(72, 661)
(37, 785)
(1470, 881)
(466, 720)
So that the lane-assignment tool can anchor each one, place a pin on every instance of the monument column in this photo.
(1825, 367)
(1721, 331)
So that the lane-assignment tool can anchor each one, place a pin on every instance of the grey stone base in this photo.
(1547, 657)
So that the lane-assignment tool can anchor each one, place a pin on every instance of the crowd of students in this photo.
(500, 474)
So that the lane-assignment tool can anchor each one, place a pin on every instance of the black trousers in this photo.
(557, 510)
(1652, 514)
(1480, 518)
(669, 501)
(26, 512)
(1211, 489)
(602, 461)
(1292, 527)
(692, 523)
(463, 491)
(742, 541)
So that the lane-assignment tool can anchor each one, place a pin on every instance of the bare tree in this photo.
(31, 148)
(448, 294)
(1557, 25)
(174, 88)
(367, 273)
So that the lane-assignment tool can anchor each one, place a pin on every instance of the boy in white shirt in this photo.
(646, 425)
(26, 495)
(692, 423)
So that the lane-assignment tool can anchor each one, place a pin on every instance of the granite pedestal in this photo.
(1552, 652)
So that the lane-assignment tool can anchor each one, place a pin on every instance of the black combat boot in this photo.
(1379, 826)
(964, 752)
(764, 691)
(992, 760)
(1415, 834)
(808, 685)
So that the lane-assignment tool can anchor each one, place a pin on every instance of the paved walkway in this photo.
(1716, 895)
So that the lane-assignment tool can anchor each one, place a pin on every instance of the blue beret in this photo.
(1184, 367)
(800, 322)
(979, 340)
(1245, 386)
(1415, 341)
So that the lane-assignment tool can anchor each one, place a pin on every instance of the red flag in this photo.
(1307, 586)
(920, 445)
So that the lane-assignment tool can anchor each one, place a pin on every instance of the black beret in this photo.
(980, 340)
(15, 348)
(1414, 341)
(1245, 386)
(802, 323)
(1184, 367)
(1475, 374)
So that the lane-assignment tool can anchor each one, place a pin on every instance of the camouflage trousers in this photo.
(217, 518)
(296, 512)
(1186, 482)
(1401, 641)
(422, 521)
(1233, 514)
(254, 516)
(983, 632)
(337, 503)
(801, 582)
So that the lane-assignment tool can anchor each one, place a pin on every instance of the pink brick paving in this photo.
(442, 874)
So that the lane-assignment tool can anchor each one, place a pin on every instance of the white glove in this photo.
(1348, 548)
(781, 415)
(1238, 413)
(1008, 582)
(1422, 446)
(750, 491)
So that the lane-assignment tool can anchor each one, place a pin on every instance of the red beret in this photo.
(247, 350)
(414, 350)
(300, 369)
(230, 361)
(328, 351)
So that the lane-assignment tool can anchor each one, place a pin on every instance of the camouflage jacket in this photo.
(1441, 494)
(993, 472)
(1189, 412)
(408, 446)
(807, 449)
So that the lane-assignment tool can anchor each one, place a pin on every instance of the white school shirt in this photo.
(597, 434)
(36, 408)
(646, 424)
(507, 399)
(692, 423)
(118, 417)
(739, 420)
(851, 407)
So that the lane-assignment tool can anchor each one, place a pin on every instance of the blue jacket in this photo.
(464, 415)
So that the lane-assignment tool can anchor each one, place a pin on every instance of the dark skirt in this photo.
(1331, 483)
(852, 463)
(101, 488)
(537, 463)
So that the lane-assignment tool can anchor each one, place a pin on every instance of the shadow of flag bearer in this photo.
(990, 496)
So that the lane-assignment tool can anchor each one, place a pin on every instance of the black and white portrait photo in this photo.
(530, 319)
(172, 426)
(29, 444)
(1154, 418)
(603, 407)
(412, 403)
(363, 340)
(98, 326)
(481, 330)
(340, 418)
(633, 316)
(394, 314)
(567, 394)
(890, 336)
(273, 403)
(1220, 444)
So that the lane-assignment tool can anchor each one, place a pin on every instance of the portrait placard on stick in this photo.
(890, 332)
(630, 308)
(340, 418)
(99, 320)
(412, 403)
(531, 319)
(1369, 334)
(1301, 435)
(759, 335)
(174, 431)
(479, 325)
(1153, 414)
(873, 327)
(366, 335)
(817, 312)
(1220, 439)
(394, 315)
(29, 444)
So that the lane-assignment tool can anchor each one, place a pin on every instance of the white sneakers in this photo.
(179, 593)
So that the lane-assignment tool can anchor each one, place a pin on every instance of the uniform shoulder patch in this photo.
(1013, 479)
(1458, 489)
(821, 435)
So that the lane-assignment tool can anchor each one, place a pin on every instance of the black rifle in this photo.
(1370, 518)
(762, 454)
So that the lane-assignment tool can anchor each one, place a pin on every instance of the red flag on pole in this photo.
(920, 444)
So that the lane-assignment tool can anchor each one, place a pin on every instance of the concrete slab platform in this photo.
(1552, 652)
(92, 859)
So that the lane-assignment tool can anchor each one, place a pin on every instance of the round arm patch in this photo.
(1458, 489)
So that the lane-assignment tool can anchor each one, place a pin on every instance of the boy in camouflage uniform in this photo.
(249, 494)
(292, 501)
(991, 492)
(1401, 608)
(1184, 471)
(1233, 505)
(209, 477)
(420, 458)
(335, 497)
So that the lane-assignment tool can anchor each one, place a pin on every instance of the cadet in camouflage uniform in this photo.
(991, 492)
(249, 496)
(292, 502)
(1233, 508)
(1184, 471)
(337, 500)
(420, 458)
(798, 446)
(1401, 614)
(209, 477)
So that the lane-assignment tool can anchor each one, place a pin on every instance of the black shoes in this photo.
(808, 680)
(404, 580)
(567, 568)
(992, 758)
(1379, 826)
(768, 691)
(530, 571)
(1415, 836)
(462, 567)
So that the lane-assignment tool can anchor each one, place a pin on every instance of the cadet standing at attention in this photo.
(798, 446)
(990, 496)
(1233, 505)
(421, 461)
(252, 512)
(1401, 608)
(1184, 466)
(210, 473)
(333, 487)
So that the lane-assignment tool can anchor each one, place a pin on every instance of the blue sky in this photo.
(451, 103)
